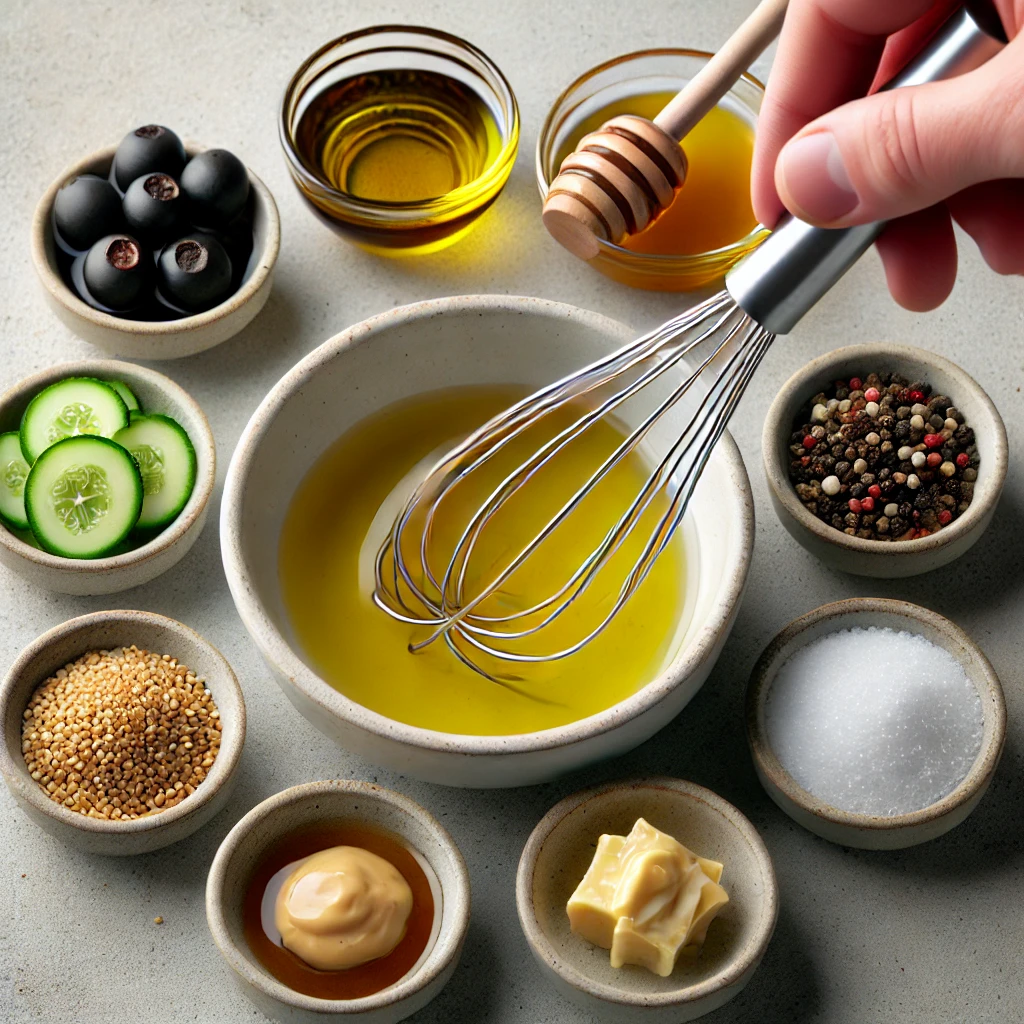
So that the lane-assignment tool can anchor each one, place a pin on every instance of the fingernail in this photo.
(816, 178)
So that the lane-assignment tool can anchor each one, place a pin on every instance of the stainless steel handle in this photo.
(797, 263)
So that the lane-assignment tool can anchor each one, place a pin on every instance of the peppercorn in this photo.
(877, 439)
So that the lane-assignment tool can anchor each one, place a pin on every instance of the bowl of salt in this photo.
(883, 758)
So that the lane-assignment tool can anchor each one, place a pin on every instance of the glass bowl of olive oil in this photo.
(710, 224)
(399, 137)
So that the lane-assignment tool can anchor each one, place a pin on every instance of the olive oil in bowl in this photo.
(401, 136)
(405, 153)
(333, 530)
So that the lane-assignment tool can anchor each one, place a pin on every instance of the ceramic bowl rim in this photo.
(62, 294)
(790, 639)
(202, 491)
(279, 652)
(782, 490)
(15, 771)
(730, 973)
(446, 946)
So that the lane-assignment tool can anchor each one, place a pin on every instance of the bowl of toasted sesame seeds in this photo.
(884, 460)
(122, 731)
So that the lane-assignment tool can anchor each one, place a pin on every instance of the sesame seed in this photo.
(81, 724)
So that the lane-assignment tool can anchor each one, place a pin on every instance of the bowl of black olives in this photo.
(156, 249)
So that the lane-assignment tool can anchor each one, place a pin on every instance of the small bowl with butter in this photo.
(339, 900)
(647, 900)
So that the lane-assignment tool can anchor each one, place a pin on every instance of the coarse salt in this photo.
(874, 721)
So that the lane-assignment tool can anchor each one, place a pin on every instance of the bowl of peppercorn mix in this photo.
(884, 460)
(122, 731)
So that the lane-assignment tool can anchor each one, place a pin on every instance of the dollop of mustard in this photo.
(342, 907)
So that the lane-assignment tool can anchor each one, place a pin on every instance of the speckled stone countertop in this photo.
(929, 934)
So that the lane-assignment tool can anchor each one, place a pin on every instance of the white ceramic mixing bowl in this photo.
(424, 347)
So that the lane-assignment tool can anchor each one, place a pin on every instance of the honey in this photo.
(400, 158)
(264, 939)
(341, 511)
(713, 209)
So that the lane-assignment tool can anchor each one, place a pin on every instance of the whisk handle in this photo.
(793, 268)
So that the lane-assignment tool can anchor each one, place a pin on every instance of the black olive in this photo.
(154, 208)
(118, 273)
(84, 210)
(195, 272)
(216, 184)
(145, 150)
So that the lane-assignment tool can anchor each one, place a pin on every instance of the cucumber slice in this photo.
(167, 462)
(13, 474)
(83, 497)
(126, 393)
(70, 408)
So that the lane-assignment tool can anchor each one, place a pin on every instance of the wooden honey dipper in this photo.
(619, 178)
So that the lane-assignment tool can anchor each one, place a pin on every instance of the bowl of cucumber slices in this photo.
(106, 472)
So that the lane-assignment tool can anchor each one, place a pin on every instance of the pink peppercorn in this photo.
(809, 441)
(915, 396)
(934, 459)
(962, 460)
(856, 383)
(945, 516)
(867, 504)
(930, 440)
(856, 506)
(872, 394)
(875, 491)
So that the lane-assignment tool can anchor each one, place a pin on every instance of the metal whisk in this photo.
(718, 344)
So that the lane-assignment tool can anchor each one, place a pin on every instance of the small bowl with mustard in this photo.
(669, 876)
(338, 900)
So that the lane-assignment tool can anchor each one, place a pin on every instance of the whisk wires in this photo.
(716, 344)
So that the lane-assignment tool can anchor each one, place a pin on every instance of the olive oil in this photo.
(346, 503)
(400, 140)
(260, 929)
(713, 208)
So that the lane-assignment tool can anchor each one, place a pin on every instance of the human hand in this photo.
(919, 157)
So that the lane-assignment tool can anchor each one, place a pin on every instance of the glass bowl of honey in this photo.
(710, 224)
(399, 137)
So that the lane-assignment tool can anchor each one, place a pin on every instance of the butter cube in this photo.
(647, 898)
(590, 906)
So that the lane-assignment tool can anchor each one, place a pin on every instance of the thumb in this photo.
(897, 152)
